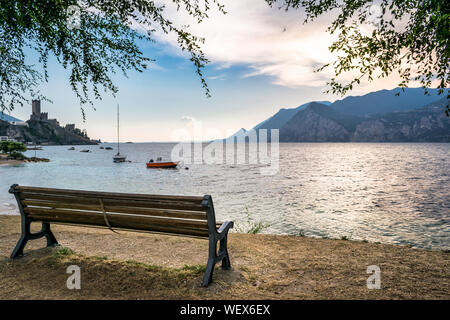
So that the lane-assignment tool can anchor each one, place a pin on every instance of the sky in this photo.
(261, 59)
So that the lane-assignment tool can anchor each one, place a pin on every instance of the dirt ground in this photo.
(132, 265)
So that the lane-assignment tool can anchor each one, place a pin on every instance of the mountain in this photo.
(384, 101)
(8, 118)
(379, 116)
(283, 116)
(238, 134)
(425, 124)
(320, 123)
(276, 121)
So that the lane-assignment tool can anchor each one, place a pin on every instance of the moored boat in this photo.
(162, 165)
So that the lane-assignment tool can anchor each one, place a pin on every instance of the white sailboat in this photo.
(119, 157)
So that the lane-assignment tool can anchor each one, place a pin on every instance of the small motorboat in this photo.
(162, 165)
(159, 164)
(85, 150)
(102, 147)
(71, 148)
(108, 148)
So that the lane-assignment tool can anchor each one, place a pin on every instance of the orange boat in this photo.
(162, 165)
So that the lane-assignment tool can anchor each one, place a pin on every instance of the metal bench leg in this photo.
(51, 240)
(18, 250)
(27, 235)
(212, 256)
(26, 232)
(223, 249)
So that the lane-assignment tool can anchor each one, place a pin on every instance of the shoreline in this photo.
(11, 210)
(7, 209)
(131, 265)
(11, 162)
(15, 162)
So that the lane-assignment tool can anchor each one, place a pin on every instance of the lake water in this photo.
(391, 193)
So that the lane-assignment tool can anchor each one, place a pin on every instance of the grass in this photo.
(100, 277)
(196, 268)
(63, 251)
(250, 226)
(300, 233)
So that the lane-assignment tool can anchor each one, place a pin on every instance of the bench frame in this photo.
(214, 235)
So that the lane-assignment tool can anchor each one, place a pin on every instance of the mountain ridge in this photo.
(378, 116)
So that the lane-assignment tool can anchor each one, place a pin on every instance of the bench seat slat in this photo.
(98, 216)
(158, 204)
(194, 199)
(196, 215)
(128, 225)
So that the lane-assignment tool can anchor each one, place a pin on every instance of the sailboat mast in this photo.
(118, 148)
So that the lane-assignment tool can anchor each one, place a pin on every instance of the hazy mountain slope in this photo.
(425, 124)
(375, 117)
(320, 123)
(8, 118)
(280, 118)
(317, 123)
(384, 101)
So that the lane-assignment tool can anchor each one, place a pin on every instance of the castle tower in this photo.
(36, 108)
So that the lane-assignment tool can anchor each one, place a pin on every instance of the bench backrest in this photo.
(184, 215)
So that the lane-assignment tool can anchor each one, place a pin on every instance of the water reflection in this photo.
(394, 193)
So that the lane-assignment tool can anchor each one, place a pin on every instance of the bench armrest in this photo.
(224, 228)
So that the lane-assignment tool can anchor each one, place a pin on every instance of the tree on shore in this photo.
(14, 149)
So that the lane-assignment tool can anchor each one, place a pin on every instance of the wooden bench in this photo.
(175, 215)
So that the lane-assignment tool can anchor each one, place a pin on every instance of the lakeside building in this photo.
(70, 127)
(37, 115)
(40, 129)
(6, 138)
(18, 123)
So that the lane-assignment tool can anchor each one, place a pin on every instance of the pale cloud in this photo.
(269, 41)
(218, 77)
(187, 119)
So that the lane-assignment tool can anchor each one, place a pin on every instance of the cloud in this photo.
(188, 119)
(218, 77)
(267, 40)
